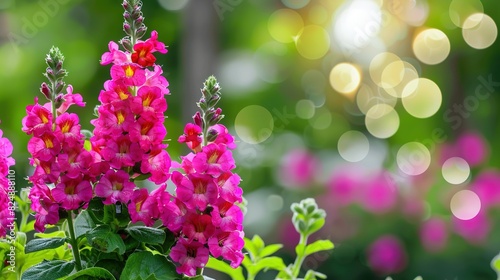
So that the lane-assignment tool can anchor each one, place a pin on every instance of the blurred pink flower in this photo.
(386, 255)
(487, 186)
(343, 187)
(472, 147)
(475, 230)
(379, 194)
(298, 168)
(434, 234)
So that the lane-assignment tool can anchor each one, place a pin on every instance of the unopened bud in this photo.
(197, 119)
(139, 20)
(141, 31)
(60, 86)
(59, 100)
(126, 44)
(127, 16)
(127, 29)
(46, 91)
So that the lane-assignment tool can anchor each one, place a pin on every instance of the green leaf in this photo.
(142, 265)
(48, 270)
(83, 223)
(113, 266)
(269, 250)
(147, 234)
(234, 273)
(44, 243)
(317, 246)
(258, 242)
(315, 226)
(313, 275)
(95, 273)
(274, 263)
(122, 217)
(96, 210)
(58, 233)
(495, 264)
(103, 239)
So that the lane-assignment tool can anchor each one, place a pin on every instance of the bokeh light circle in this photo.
(459, 10)
(284, 25)
(379, 64)
(367, 97)
(480, 31)
(353, 146)
(431, 46)
(382, 121)
(465, 204)
(295, 4)
(322, 119)
(421, 98)
(345, 78)
(409, 74)
(313, 42)
(455, 170)
(392, 74)
(254, 124)
(305, 109)
(413, 158)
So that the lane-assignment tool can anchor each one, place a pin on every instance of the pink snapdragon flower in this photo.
(115, 187)
(6, 203)
(190, 256)
(228, 245)
(298, 168)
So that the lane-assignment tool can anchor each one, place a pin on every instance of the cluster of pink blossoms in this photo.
(204, 214)
(129, 131)
(6, 203)
(63, 175)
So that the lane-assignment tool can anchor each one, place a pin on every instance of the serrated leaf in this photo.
(83, 223)
(39, 244)
(103, 239)
(142, 265)
(95, 273)
(317, 246)
(48, 270)
(269, 250)
(234, 273)
(147, 234)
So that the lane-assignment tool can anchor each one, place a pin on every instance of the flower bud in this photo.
(126, 44)
(59, 87)
(139, 20)
(197, 119)
(141, 31)
(127, 29)
(46, 91)
(127, 16)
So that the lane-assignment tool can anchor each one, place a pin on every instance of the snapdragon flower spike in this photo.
(129, 130)
(204, 213)
(6, 206)
(57, 149)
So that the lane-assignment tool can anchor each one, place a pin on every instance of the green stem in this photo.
(24, 221)
(300, 256)
(74, 244)
(199, 271)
